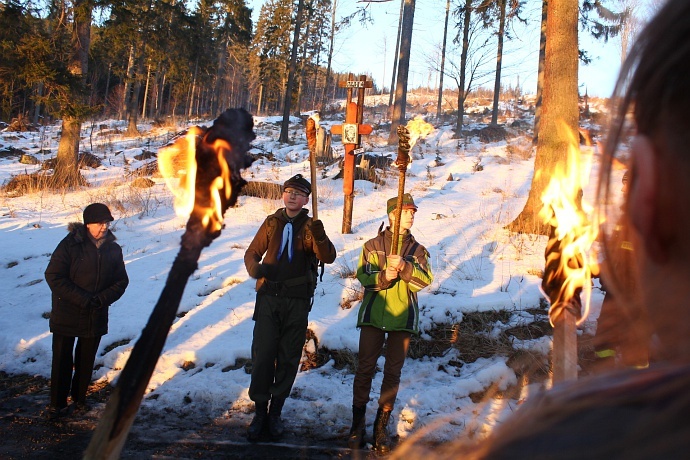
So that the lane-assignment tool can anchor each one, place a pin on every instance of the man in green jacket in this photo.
(389, 308)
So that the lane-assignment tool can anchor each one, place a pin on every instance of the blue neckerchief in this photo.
(286, 241)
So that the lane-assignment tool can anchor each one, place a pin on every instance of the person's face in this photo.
(406, 218)
(98, 230)
(294, 200)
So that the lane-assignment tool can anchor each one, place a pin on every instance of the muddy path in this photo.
(27, 433)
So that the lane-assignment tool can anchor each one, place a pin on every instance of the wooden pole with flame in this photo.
(401, 163)
(211, 160)
(407, 138)
(567, 271)
(314, 191)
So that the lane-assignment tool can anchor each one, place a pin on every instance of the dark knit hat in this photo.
(96, 213)
(298, 183)
(407, 203)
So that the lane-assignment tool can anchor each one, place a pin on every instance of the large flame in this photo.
(565, 209)
(177, 163)
(418, 128)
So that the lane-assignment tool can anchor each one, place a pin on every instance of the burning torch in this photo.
(401, 163)
(567, 270)
(407, 138)
(205, 170)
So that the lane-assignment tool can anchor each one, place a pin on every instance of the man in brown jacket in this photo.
(283, 259)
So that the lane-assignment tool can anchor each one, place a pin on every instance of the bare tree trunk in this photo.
(560, 101)
(403, 71)
(133, 108)
(443, 63)
(303, 67)
(161, 92)
(220, 73)
(329, 76)
(259, 109)
(128, 84)
(392, 89)
(192, 90)
(499, 60)
(540, 74)
(316, 72)
(284, 126)
(107, 89)
(463, 67)
(146, 91)
(37, 106)
(66, 167)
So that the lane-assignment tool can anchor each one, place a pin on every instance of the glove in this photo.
(317, 230)
(257, 271)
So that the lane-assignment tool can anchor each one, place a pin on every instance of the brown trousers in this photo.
(371, 340)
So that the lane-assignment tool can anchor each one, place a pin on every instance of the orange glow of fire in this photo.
(177, 164)
(418, 128)
(565, 209)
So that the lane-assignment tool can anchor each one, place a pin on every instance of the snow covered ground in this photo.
(466, 192)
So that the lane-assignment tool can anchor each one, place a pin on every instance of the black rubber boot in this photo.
(382, 440)
(258, 422)
(275, 423)
(358, 429)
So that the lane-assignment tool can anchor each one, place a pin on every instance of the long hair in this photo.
(652, 98)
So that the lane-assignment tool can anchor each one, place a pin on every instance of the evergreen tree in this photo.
(271, 48)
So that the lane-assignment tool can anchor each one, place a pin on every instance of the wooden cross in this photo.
(350, 131)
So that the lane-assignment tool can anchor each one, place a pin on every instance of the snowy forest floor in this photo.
(27, 433)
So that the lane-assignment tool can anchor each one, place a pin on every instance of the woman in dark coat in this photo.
(86, 274)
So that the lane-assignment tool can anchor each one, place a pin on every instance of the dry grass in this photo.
(26, 184)
(343, 359)
(353, 296)
(520, 148)
(265, 190)
(474, 338)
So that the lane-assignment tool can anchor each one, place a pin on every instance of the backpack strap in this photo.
(319, 264)
(271, 226)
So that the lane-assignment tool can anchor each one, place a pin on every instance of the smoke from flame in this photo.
(568, 264)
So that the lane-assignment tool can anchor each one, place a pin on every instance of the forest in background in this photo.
(164, 58)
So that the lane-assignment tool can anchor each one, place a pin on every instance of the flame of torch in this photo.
(407, 137)
(567, 271)
(207, 163)
(418, 129)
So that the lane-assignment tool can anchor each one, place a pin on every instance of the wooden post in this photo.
(314, 189)
(360, 100)
(564, 353)
(564, 311)
(350, 131)
(401, 162)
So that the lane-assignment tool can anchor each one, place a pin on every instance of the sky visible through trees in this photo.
(368, 49)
